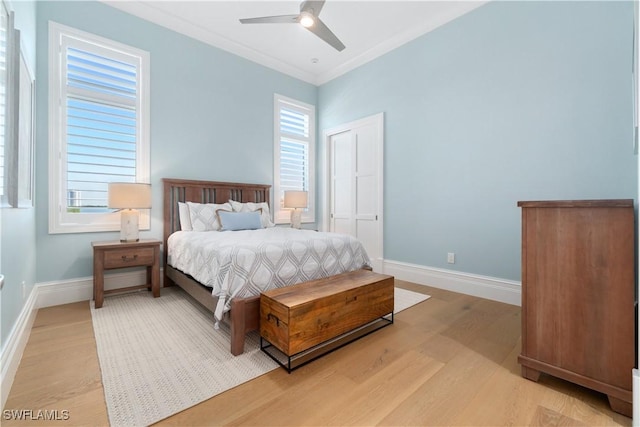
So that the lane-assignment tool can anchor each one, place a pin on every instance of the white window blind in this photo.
(4, 18)
(9, 74)
(101, 127)
(294, 152)
(102, 120)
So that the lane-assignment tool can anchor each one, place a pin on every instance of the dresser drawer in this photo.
(133, 257)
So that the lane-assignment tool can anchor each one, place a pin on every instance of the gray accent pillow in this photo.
(203, 215)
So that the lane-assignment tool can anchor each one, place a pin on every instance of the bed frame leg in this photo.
(167, 281)
(238, 331)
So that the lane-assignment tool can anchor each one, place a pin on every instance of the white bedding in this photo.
(245, 263)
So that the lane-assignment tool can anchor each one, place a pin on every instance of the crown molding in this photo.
(160, 17)
(157, 16)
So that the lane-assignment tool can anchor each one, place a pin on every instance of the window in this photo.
(99, 127)
(9, 54)
(294, 153)
(4, 42)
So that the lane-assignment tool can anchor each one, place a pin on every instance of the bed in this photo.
(231, 289)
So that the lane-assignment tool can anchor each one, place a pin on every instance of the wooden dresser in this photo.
(578, 314)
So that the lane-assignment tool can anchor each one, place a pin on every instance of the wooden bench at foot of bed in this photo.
(309, 315)
(244, 315)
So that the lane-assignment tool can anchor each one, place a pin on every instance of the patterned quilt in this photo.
(245, 263)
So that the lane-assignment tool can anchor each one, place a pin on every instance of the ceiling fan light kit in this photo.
(308, 18)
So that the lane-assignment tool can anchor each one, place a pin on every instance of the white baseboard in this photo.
(81, 289)
(46, 295)
(507, 291)
(15, 345)
(636, 397)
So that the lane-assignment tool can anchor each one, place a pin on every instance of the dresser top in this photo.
(596, 203)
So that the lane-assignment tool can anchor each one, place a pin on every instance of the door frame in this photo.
(325, 176)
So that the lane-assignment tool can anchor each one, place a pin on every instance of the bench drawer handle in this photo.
(271, 317)
(127, 259)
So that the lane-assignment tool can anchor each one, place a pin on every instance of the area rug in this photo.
(159, 356)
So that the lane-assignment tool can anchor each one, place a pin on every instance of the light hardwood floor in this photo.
(448, 361)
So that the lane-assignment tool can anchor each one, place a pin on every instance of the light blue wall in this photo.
(18, 237)
(211, 118)
(513, 101)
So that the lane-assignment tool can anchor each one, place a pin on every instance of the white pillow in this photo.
(185, 219)
(203, 215)
(265, 216)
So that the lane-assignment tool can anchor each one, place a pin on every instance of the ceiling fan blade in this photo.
(311, 6)
(281, 19)
(322, 31)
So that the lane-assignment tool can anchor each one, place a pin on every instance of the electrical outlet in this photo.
(451, 258)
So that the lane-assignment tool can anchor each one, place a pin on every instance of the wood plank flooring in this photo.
(448, 361)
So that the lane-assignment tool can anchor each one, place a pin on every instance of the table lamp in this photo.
(295, 200)
(128, 197)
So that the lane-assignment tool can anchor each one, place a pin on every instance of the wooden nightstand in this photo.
(115, 254)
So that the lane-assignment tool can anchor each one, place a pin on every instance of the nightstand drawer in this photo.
(128, 257)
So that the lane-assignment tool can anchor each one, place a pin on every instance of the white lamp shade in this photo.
(295, 199)
(127, 195)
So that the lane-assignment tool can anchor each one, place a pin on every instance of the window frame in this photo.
(61, 221)
(9, 145)
(281, 215)
(4, 86)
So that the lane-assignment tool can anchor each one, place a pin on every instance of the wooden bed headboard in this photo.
(184, 190)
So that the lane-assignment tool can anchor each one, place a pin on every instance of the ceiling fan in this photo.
(308, 18)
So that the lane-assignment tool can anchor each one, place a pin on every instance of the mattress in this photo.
(247, 262)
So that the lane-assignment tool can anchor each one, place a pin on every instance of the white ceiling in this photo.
(367, 28)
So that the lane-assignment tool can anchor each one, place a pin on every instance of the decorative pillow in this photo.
(233, 221)
(265, 217)
(203, 215)
(185, 219)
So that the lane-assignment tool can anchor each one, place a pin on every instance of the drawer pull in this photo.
(127, 259)
(271, 317)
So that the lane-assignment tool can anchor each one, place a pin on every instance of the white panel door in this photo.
(366, 184)
(355, 184)
(342, 201)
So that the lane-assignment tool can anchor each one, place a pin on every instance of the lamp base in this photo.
(296, 218)
(129, 231)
